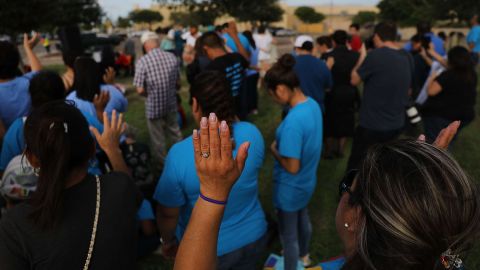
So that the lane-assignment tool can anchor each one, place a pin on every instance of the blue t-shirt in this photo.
(299, 136)
(117, 101)
(244, 220)
(437, 42)
(15, 99)
(314, 77)
(14, 143)
(253, 62)
(474, 37)
(146, 211)
(231, 44)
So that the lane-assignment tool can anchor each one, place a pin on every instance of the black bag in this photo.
(138, 159)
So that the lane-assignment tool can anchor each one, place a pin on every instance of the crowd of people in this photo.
(70, 184)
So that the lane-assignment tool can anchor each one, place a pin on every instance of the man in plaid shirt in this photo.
(156, 77)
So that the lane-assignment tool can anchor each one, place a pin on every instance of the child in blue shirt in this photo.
(88, 84)
(14, 98)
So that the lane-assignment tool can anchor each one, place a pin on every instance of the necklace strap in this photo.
(95, 224)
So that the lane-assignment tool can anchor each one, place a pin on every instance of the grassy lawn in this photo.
(325, 242)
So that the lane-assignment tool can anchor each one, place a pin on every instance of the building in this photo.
(337, 17)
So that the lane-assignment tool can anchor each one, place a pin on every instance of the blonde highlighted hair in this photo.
(417, 203)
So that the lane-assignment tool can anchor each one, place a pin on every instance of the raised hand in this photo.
(217, 169)
(232, 29)
(109, 140)
(109, 76)
(30, 43)
(100, 101)
(445, 136)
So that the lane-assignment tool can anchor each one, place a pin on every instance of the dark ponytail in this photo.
(57, 135)
(282, 73)
(212, 92)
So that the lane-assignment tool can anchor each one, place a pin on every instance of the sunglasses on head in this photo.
(347, 182)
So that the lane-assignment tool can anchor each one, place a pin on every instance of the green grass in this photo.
(325, 242)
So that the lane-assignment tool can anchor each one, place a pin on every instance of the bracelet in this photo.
(205, 198)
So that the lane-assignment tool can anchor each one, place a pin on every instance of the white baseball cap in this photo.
(148, 36)
(302, 39)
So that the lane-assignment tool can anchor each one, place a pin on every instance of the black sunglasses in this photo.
(347, 182)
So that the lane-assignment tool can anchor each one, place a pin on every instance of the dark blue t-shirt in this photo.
(314, 77)
(387, 75)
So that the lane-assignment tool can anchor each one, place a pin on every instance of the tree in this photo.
(410, 12)
(123, 22)
(364, 17)
(25, 15)
(309, 15)
(145, 16)
(264, 11)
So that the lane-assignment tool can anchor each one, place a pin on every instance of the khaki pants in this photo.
(157, 129)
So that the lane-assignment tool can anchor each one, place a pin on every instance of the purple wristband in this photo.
(212, 200)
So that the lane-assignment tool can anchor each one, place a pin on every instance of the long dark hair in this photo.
(57, 135)
(87, 78)
(416, 203)
(212, 92)
(460, 62)
(282, 73)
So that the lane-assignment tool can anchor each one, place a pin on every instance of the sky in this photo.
(115, 8)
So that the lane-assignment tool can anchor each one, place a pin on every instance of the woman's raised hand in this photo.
(217, 169)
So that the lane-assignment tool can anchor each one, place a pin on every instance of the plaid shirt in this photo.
(157, 72)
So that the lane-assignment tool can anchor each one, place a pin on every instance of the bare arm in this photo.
(141, 91)
(217, 175)
(291, 165)
(330, 62)
(167, 219)
(109, 141)
(233, 33)
(355, 78)
(433, 87)
(28, 45)
(437, 56)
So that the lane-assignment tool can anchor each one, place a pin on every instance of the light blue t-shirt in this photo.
(14, 143)
(15, 99)
(117, 101)
(437, 43)
(299, 136)
(244, 220)
(474, 37)
(146, 211)
(231, 44)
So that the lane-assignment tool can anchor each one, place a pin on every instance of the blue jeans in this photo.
(244, 258)
(295, 233)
